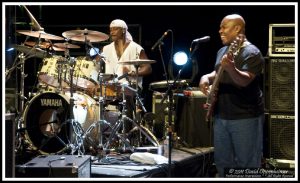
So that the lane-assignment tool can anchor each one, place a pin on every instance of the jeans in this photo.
(238, 143)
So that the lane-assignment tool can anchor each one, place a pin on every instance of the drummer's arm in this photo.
(144, 69)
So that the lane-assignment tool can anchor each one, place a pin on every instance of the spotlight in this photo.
(180, 58)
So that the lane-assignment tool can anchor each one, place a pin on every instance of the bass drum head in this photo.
(45, 119)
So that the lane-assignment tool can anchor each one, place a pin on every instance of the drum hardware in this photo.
(138, 102)
(30, 52)
(101, 101)
(120, 123)
(76, 127)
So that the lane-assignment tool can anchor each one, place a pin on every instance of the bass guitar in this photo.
(212, 96)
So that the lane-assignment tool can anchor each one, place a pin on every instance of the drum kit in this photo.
(72, 118)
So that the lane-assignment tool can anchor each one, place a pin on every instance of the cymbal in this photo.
(81, 35)
(35, 52)
(65, 45)
(43, 45)
(40, 34)
(137, 62)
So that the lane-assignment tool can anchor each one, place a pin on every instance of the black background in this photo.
(187, 22)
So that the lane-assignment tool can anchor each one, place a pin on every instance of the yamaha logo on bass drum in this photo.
(51, 102)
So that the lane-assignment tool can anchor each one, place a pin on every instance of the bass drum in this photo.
(47, 119)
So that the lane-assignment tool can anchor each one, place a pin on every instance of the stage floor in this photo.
(185, 162)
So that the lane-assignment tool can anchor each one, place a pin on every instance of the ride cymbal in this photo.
(85, 35)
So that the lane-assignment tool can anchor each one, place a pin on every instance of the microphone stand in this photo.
(169, 94)
(163, 62)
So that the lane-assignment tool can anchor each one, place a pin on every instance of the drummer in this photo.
(123, 48)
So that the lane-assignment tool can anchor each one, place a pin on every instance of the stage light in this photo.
(180, 58)
(10, 49)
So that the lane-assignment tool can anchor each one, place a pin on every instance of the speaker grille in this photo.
(280, 84)
(282, 136)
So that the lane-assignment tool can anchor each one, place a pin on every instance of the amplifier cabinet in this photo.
(56, 166)
(279, 84)
(281, 40)
(281, 135)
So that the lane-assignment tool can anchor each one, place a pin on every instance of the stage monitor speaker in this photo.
(280, 84)
(67, 166)
(190, 125)
(281, 133)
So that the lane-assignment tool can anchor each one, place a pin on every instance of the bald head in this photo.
(237, 20)
(230, 27)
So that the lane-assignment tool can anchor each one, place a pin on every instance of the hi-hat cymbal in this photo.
(137, 62)
(40, 34)
(35, 52)
(65, 45)
(82, 35)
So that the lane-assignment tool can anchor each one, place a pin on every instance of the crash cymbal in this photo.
(82, 35)
(34, 52)
(65, 45)
(43, 45)
(137, 62)
(40, 34)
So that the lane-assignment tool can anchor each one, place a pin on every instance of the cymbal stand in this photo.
(76, 127)
(137, 125)
(120, 122)
(118, 125)
(101, 102)
(138, 102)
(20, 120)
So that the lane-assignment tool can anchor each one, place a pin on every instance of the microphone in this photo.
(121, 77)
(201, 40)
(160, 39)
